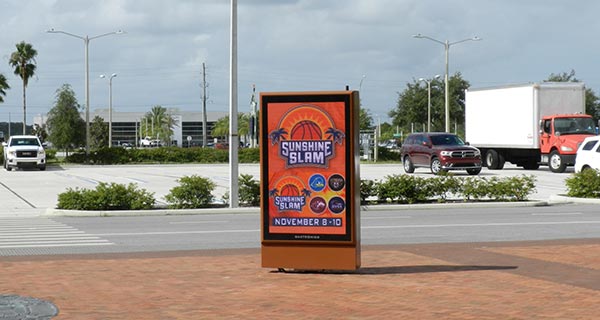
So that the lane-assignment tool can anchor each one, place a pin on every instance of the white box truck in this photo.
(528, 125)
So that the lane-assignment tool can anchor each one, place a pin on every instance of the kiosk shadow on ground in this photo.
(404, 269)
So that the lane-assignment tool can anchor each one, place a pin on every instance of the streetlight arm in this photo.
(67, 33)
(420, 36)
(476, 38)
(86, 37)
(107, 34)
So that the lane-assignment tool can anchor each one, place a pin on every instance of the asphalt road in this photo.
(31, 192)
(446, 224)
(27, 194)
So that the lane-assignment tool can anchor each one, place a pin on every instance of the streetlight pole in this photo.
(86, 41)
(446, 45)
(437, 76)
(109, 107)
(361, 81)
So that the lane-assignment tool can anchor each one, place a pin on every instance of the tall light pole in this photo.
(233, 111)
(109, 107)
(86, 42)
(446, 45)
(437, 76)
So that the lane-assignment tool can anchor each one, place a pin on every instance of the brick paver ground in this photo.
(504, 280)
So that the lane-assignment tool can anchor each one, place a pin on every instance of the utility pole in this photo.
(204, 85)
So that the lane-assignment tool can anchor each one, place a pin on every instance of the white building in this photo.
(126, 125)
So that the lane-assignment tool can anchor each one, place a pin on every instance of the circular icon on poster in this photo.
(336, 182)
(317, 182)
(318, 205)
(337, 205)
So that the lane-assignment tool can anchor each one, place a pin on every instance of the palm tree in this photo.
(159, 123)
(221, 127)
(3, 87)
(23, 61)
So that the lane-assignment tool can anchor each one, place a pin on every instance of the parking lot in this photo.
(33, 191)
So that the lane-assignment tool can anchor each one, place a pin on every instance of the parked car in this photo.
(439, 152)
(588, 154)
(24, 152)
(149, 142)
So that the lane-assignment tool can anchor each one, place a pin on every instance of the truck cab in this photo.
(560, 136)
(24, 152)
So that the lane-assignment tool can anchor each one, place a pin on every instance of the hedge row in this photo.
(182, 155)
(196, 192)
(192, 192)
(414, 189)
(163, 155)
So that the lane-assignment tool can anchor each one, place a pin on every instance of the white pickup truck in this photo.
(24, 152)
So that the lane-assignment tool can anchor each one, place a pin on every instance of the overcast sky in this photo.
(288, 45)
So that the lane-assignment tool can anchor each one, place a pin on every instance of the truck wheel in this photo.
(492, 160)
(408, 165)
(501, 161)
(436, 166)
(556, 164)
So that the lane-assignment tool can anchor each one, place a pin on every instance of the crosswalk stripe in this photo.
(31, 232)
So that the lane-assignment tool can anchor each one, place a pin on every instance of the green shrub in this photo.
(249, 155)
(584, 184)
(443, 186)
(106, 196)
(368, 188)
(249, 190)
(50, 154)
(108, 155)
(158, 155)
(402, 188)
(413, 189)
(511, 188)
(474, 188)
(75, 157)
(193, 192)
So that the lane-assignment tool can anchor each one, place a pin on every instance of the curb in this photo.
(156, 212)
(393, 207)
(256, 210)
(560, 199)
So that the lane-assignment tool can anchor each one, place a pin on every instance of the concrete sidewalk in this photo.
(503, 280)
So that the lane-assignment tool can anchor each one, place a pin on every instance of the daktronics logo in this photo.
(306, 136)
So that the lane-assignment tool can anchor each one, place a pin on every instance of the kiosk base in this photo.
(312, 257)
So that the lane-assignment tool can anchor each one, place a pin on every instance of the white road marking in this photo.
(557, 214)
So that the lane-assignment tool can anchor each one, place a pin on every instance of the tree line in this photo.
(410, 112)
(64, 124)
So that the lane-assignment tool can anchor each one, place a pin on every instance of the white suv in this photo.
(588, 154)
(24, 152)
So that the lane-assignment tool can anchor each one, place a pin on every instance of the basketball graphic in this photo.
(289, 190)
(306, 130)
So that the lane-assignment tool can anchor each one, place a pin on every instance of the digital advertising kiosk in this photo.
(310, 202)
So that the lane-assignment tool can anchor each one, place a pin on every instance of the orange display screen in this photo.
(305, 168)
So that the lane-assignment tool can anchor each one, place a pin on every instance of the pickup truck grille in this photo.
(27, 154)
(463, 154)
